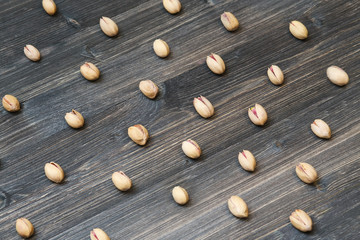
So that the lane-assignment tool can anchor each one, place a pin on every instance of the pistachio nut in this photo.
(180, 195)
(149, 88)
(98, 234)
(247, 160)
(275, 75)
(238, 207)
(298, 30)
(32, 53)
(108, 26)
(229, 21)
(74, 119)
(121, 181)
(139, 134)
(161, 48)
(24, 227)
(301, 220)
(203, 107)
(172, 6)
(306, 172)
(54, 172)
(321, 129)
(191, 149)
(215, 63)
(257, 115)
(337, 75)
(49, 6)
(89, 71)
(10, 103)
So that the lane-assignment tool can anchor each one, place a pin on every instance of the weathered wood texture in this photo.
(87, 199)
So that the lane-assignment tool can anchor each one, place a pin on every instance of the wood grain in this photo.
(87, 198)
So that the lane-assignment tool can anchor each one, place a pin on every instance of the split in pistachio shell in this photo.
(89, 71)
(108, 26)
(191, 149)
(54, 172)
(139, 134)
(301, 220)
(306, 172)
(32, 53)
(275, 75)
(24, 227)
(298, 30)
(121, 181)
(215, 63)
(257, 115)
(229, 21)
(203, 107)
(74, 119)
(149, 88)
(247, 160)
(321, 129)
(98, 234)
(11, 103)
(238, 207)
(172, 6)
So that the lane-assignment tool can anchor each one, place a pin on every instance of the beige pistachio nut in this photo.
(74, 119)
(275, 75)
(10, 103)
(49, 6)
(172, 6)
(321, 129)
(337, 75)
(191, 149)
(161, 48)
(89, 71)
(24, 227)
(108, 26)
(54, 172)
(247, 160)
(229, 21)
(149, 88)
(257, 115)
(121, 181)
(301, 220)
(203, 107)
(215, 63)
(180, 195)
(139, 134)
(238, 207)
(32, 53)
(98, 234)
(298, 30)
(306, 172)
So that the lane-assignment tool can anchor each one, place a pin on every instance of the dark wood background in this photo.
(88, 199)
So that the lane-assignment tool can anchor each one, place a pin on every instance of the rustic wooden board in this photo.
(87, 198)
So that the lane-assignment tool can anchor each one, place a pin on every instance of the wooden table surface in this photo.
(88, 199)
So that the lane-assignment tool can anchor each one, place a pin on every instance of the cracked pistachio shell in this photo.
(321, 129)
(74, 119)
(161, 48)
(89, 71)
(229, 21)
(121, 181)
(149, 88)
(238, 207)
(32, 53)
(203, 107)
(257, 115)
(301, 220)
(172, 6)
(108, 26)
(298, 30)
(337, 75)
(247, 160)
(306, 172)
(139, 134)
(180, 195)
(275, 75)
(191, 149)
(49, 6)
(24, 227)
(215, 63)
(54, 172)
(10, 103)
(98, 234)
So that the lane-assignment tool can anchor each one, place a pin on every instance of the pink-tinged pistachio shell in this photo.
(89, 71)
(98, 234)
(121, 181)
(32, 53)
(275, 75)
(229, 21)
(191, 149)
(149, 88)
(238, 207)
(257, 115)
(10, 103)
(337, 75)
(203, 107)
(74, 119)
(306, 172)
(301, 220)
(321, 129)
(54, 172)
(24, 227)
(247, 160)
(215, 63)
(108, 26)
(139, 134)
(298, 30)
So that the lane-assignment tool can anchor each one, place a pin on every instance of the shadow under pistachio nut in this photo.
(301, 220)
(321, 129)
(24, 227)
(161, 48)
(275, 75)
(238, 207)
(54, 172)
(98, 234)
(337, 75)
(191, 149)
(203, 107)
(74, 119)
(229, 21)
(180, 195)
(32, 53)
(109, 27)
(89, 71)
(10, 103)
(306, 172)
(172, 6)
(298, 30)
(49, 6)
(139, 134)
(215, 63)
(247, 160)
(149, 88)
(257, 115)
(121, 181)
